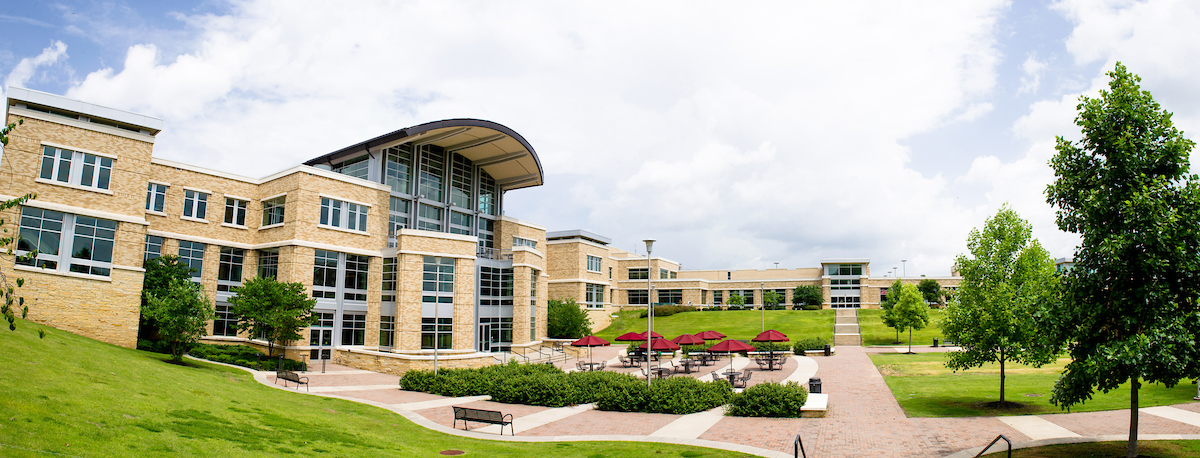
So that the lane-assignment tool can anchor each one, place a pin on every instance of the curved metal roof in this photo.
(498, 150)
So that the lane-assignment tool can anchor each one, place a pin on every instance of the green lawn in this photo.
(875, 333)
(924, 387)
(1160, 449)
(737, 324)
(73, 396)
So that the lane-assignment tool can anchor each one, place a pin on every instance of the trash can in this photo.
(814, 385)
(935, 342)
(827, 353)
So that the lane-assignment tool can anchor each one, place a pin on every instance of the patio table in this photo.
(660, 372)
(591, 366)
(732, 376)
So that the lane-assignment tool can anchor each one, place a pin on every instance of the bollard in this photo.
(827, 352)
(814, 385)
(935, 342)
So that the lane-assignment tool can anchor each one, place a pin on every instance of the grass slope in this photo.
(737, 324)
(924, 387)
(875, 333)
(73, 396)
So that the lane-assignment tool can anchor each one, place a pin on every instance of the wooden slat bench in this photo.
(289, 376)
(483, 416)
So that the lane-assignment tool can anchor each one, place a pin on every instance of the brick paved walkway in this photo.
(864, 418)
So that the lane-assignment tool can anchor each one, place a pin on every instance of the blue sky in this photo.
(738, 137)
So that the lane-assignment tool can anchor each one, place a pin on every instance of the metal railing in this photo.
(798, 448)
(493, 253)
(993, 442)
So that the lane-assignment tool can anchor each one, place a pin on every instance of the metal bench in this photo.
(289, 376)
(483, 416)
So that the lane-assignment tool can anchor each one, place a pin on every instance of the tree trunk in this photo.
(897, 335)
(1001, 376)
(1131, 451)
(910, 340)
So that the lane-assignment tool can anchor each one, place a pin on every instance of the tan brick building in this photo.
(400, 238)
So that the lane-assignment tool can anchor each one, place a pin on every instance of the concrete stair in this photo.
(845, 328)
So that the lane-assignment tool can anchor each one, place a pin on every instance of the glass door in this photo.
(485, 338)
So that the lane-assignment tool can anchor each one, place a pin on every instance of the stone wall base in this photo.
(397, 364)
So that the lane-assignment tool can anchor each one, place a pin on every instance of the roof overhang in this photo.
(498, 150)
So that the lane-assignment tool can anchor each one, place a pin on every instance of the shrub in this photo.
(676, 395)
(567, 320)
(771, 346)
(715, 308)
(812, 306)
(813, 343)
(153, 346)
(668, 310)
(245, 356)
(537, 389)
(769, 399)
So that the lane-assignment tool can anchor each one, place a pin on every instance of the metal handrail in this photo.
(798, 448)
(993, 442)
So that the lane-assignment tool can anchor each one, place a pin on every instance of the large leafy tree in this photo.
(274, 309)
(1007, 282)
(567, 320)
(807, 295)
(772, 299)
(910, 312)
(161, 273)
(931, 290)
(1129, 311)
(888, 305)
(182, 313)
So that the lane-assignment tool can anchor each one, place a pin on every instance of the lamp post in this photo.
(904, 264)
(763, 306)
(649, 309)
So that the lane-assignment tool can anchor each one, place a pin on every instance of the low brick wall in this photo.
(398, 364)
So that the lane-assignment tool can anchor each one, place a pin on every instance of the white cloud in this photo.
(25, 70)
(1031, 77)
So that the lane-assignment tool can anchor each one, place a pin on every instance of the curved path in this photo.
(864, 418)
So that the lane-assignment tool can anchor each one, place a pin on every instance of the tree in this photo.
(1129, 310)
(276, 310)
(182, 313)
(888, 305)
(1007, 282)
(910, 311)
(771, 299)
(161, 273)
(567, 320)
(736, 300)
(6, 289)
(807, 295)
(930, 290)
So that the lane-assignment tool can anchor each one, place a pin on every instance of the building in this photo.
(402, 238)
(583, 266)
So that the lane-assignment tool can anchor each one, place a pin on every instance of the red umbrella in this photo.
(710, 335)
(653, 334)
(771, 335)
(661, 344)
(630, 336)
(590, 341)
(731, 347)
(688, 339)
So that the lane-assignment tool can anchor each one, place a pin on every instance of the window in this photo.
(703, 296)
(355, 287)
(460, 182)
(670, 296)
(638, 297)
(748, 295)
(610, 270)
(229, 268)
(389, 280)
(495, 282)
(398, 168)
(518, 241)
(268, 262)
(433, 168)
(321, 335)
(235, 211)
(359, 167)
(192, 254)
(845, 284)
(225, 323)
(156, 197)
(354, 329)
(429, 218)
(663, 274)
(717, 299)
(460, 223)
(638, 274)
(398, 215)
(153, 247)
(534, 275)
(486, 236)
(325, 264)
(437, 302)
(194, 204)
(674, 274)
(442, 332)
(387, 331)
(843, 269)
(90, 241)
(844, 302)
(782, 296)
(487, 194)
(74, 167)
(336, 213)
(593, 263)
(594, 296)
(883, 292)
(273, 210)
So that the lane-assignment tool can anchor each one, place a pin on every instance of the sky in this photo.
(738, 135)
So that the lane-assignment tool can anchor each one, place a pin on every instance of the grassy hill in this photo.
(73, 396)
(737, 324)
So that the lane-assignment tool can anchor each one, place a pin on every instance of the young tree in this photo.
(1129, 311)
(930, 290)
(1007, 282)
(771, 299)
(888, 305)
(161, 273)
(277, 310)
(6, 289)
(735, 299)
(910, 311)
(182, 313)
(807, 295)
(567, 320)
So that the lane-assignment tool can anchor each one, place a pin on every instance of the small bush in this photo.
(813, 343)
(812, 307)
(769, 399)
(771, 346)
(715, 308)
(676, 395)
(736, 307)
(775, 307)
(245, 356)
(154, 346)
(668, 310)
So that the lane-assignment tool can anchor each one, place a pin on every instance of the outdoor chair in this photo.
(579, 365)
(741, 382)
(677, 368)
(762, 363)
(716, 378)
(602, 365)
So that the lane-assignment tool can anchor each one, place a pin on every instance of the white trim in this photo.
(523, 223)
(74, 186)
(531, 250)
(189, 188)
(328, 174)
(584, 242)
(62, 273)
(582, 280)
(80, 211)
(528, 265)
(195, 238)
(437, 235)
(320, 246)
(335, 228)
(328, 196)
(430, 253)
(27, 113)
(198, 169)
(194, 220)
(130, 268)
(235, 226)
(231, 196)
(72, 148)
(272, 197)
(159, 182)
(152, 212)
(270, 226)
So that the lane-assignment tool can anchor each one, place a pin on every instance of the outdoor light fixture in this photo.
(649, 310)
(904, 263)
(762, 294)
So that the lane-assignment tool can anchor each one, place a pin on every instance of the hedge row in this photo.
(241, 355)
(812, 343)
(548, 386)
(668, 310)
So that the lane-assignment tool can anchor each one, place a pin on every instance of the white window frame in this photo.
(195, 205)
(522, 241)
(156, 197)
(76, 165)
(66, 245)
(268, 205)
(596, 266)
(594, 295)
(239, 211)
(343, 215)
